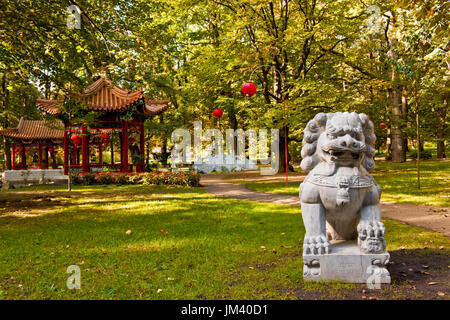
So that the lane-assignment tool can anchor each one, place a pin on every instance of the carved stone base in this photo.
(347, 263)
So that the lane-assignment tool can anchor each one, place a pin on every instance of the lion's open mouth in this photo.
(343, 154)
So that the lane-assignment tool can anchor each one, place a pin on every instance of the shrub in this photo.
(188, 178)
(83, 178)
(426, 154)
(120, 178)
(151, 166)
(135, 179)
(104, 178)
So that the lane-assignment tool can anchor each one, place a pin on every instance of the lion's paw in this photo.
(316, 245)
(371, 236)
(370, 229)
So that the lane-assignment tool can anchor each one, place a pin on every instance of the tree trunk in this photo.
(164, 154)
(53, 156)
(405, 119)
(5, 124)
(147, 152)
(234, 126)
(398, 150)
(441, 128)
(111, 144)
(283, 152)
(418, 142)
(397, 108)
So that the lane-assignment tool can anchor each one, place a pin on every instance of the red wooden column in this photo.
(124, 146)
(46, 157)
(66, 153)
(23, 157)
(84, 150)
(13, 157)
(40, 156)
(54, 160)
(100, 154)
(75, 154)
(142, 149)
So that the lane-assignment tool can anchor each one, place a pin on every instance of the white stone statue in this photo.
(339, 198)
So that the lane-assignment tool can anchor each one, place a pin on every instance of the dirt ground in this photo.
(415, 275)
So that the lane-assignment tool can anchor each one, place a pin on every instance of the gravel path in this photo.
(432, 218)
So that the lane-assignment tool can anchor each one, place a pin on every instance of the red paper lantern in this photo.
(249, 89)
(76, 140)
(105, 138)
(383, 125)
(50, 150)
(218, 113)
(27, 150)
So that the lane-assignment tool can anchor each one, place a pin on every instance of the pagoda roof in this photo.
(103, 95)
(35, 130)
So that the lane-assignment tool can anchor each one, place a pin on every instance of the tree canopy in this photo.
(388, 59)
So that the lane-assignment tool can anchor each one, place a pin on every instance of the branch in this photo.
(351, 64)
(325, 51)
(93, 24)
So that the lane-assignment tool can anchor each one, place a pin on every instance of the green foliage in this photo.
(189, 178)
(426, 154)
(322, 56)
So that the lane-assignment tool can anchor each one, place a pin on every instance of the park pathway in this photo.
(432, 218)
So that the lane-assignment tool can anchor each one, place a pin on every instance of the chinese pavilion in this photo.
(121, 115)
(42, 137)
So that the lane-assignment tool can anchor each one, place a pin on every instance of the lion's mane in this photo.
(316, 126)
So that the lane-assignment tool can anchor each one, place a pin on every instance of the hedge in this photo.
(181, 178)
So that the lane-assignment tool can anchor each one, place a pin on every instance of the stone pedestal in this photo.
(19, 178)
(345, 262)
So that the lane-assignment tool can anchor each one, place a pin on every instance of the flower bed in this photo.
(188, 178)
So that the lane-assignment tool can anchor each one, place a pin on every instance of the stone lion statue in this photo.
(339, 199)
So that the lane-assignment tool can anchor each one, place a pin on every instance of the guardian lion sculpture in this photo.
(339, 198)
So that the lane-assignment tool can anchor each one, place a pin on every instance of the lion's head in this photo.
(343, 138)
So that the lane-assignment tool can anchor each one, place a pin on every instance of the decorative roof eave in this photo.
(102, 95)
(35, 130)
(11, 132)
(154, 107)
(48, 106)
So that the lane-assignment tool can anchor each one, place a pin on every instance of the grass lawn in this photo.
(181, 244)
(398, 181)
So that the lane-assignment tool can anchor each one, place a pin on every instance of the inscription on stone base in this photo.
(347, 263)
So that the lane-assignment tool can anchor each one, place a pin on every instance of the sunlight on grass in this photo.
(130, 241)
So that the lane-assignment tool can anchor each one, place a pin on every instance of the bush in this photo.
(188, 178)
(120, 178)
(135, 179)
(426, 154)
(104, 178)
(83, 178)
(151, 166)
